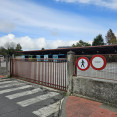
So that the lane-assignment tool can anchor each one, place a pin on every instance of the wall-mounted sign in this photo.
(98, 62)
(83, 63)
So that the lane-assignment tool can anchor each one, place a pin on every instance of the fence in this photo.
(2, 62)
(47, 72)
(3, 69)
(109, 72)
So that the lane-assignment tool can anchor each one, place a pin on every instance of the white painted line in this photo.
(14, 89)
(4, 82)
(48, 110)
(37, 99)
(11, 84)
(16, 95)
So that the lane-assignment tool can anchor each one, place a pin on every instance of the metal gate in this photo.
(48, 72)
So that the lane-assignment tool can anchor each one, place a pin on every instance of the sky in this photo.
(37, 24)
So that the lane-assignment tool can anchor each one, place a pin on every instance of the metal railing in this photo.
(47, 72)
(108, 73)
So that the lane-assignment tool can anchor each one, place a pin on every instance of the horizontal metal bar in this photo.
(42, 84)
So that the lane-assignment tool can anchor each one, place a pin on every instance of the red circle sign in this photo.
(83, 63)
(98, 62)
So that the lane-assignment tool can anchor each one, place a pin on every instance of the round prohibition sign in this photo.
(83, 63)
(98, 62)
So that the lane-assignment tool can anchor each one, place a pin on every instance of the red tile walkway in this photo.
(80, 107)
(2, 76)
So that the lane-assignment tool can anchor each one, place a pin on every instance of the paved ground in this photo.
(1, 76)
(22, 99)
(80, 107)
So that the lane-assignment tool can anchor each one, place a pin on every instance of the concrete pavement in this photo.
(23, 99)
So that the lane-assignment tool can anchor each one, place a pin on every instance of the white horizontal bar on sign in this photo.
(9, 85)
(14, 89)
(4, 82)
(48, 110)
(37, 99)
(16, 95)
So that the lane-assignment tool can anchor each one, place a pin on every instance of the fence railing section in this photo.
(109, 72)
(47, 72)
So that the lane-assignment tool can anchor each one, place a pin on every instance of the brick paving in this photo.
(2, 76)
(80, 107)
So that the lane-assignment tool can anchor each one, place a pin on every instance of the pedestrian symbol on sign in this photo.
(83, 63)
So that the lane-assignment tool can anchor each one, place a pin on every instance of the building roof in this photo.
(105, 49)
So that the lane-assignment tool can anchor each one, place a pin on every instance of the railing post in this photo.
(8, 65)
(0, 62)
(70, 71)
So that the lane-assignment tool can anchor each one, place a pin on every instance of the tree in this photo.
(81, 44)
(18, 48)
(3, 51)
(10, 48)
(98, 40)
(42, 48)
(111, 38)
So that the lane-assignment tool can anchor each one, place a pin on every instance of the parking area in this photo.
(23, 99)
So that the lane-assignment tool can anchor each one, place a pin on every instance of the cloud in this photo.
(105, 3)
(28, 43)
(58, 43)
(24, 17)
(90, 42)
(19, 15)
(74, 1)
(116, 33)
(6, 26)
(54, 33)
(44, 18)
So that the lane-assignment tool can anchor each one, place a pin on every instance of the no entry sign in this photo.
(98, 62)
(83, 63)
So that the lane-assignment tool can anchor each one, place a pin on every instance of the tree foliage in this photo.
(10, 48)
(18, 48)
(81, 44)
(111, 38)
(42, 48)
(3, 51)
(98, 40)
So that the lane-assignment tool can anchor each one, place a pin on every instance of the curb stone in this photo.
(63, 113)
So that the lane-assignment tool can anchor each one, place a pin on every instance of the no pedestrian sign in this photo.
(98, 62)
(83, 63)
